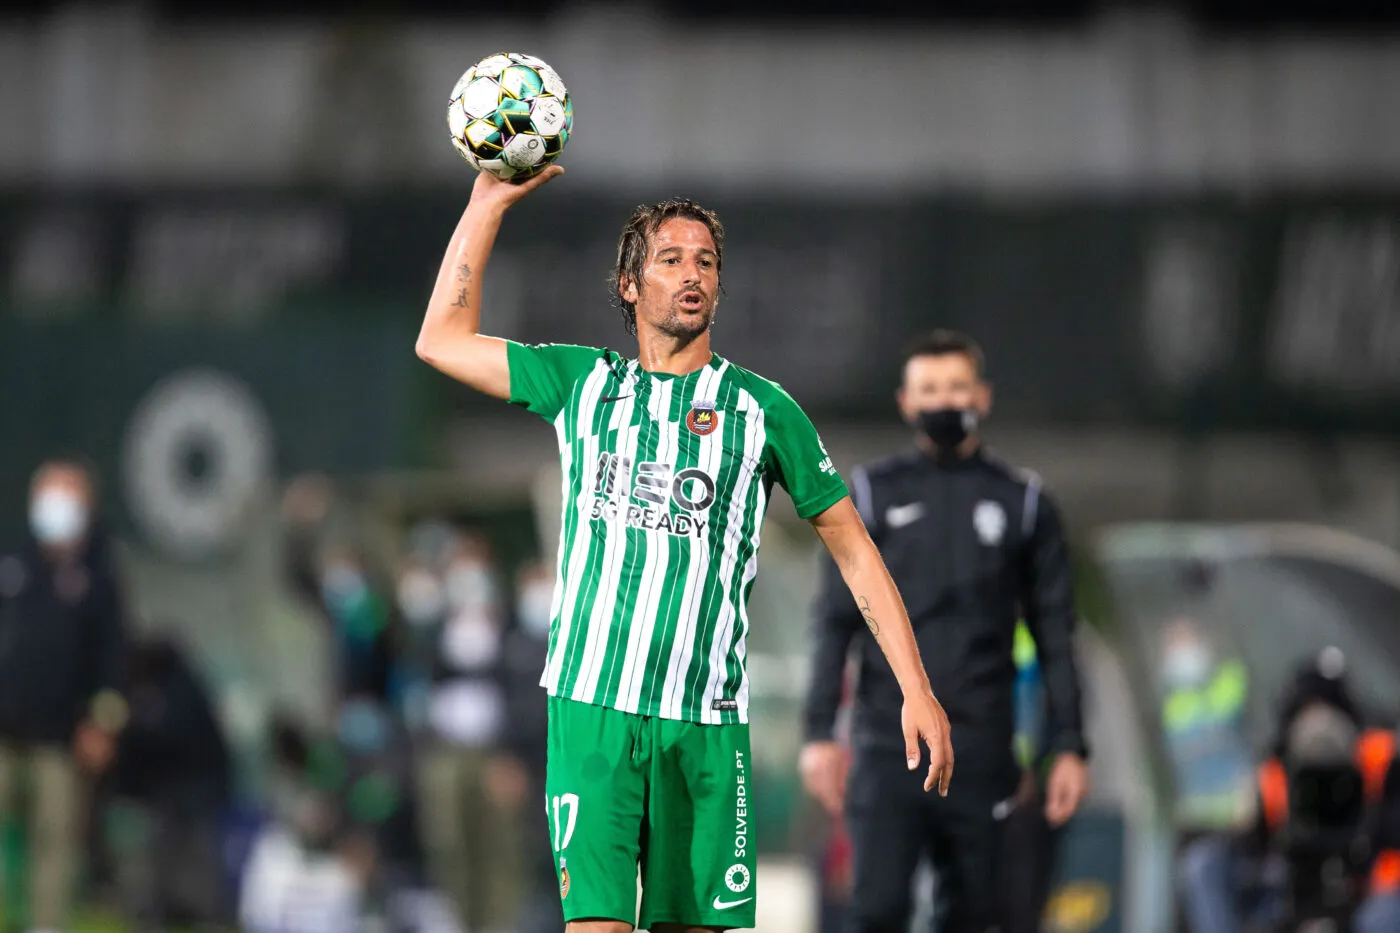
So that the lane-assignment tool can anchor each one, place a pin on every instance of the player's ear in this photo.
(627, 289)
(899, 398)
(984, 398)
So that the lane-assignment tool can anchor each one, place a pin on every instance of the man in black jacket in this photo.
(973, 545)
(61, 659)
(172, 780)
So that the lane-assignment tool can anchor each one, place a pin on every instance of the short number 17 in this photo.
(570, 803)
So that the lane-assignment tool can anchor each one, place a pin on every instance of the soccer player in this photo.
(668, 463)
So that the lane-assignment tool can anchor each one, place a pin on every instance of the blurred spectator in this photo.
(473, 786)
(337, 580)
(1203, 718)
(62, 647)
(342, 846)
(374, 783)
(172, 784)
(1314, 841)
(422, 603)
(1381, 911)
(301, 876)
(527, 645)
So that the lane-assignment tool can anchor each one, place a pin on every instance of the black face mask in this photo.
(947, 427)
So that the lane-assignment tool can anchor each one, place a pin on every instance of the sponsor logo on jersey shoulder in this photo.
(989, 518)
(897, 516)
(702, 419)
(827, 467)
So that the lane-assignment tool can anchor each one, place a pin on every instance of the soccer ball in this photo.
(510, 115)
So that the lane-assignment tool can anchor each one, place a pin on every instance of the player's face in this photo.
(947, 381)
(679, 288)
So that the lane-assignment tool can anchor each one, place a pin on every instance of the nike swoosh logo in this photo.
(614, 398)
(897, 516)
(725, 905)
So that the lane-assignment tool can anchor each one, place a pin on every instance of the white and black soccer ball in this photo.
(510, 115)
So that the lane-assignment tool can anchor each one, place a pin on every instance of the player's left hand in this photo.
(1066, 788)
(923, 718)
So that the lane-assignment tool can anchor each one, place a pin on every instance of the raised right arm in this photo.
(450, 339)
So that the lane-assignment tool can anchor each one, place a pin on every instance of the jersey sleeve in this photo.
(798, 459)
(542, 375)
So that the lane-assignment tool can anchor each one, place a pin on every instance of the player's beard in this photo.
(687, 325)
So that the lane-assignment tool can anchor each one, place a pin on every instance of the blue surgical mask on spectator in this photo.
(361, 728)
(341, 585)
(470, 586)
(1186, 666)
(533, 607)
(421, 597)
(57, 517)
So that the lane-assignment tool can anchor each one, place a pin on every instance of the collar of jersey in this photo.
(634, 369)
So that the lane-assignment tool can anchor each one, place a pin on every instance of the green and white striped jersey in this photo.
(665, 483)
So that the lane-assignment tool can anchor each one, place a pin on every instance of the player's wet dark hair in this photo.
(635, 241)
(946, 343)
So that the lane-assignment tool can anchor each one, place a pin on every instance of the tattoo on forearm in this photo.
(869, 616)
(464, 273)
(461, 300)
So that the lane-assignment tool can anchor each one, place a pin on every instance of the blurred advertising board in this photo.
(1209, 312)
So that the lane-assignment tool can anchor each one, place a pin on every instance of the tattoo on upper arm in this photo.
(865, 611)
(461, 300)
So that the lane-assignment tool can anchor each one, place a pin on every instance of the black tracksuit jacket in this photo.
(973, 545)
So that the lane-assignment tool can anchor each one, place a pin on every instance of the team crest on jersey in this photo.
(989, 518)
(702, 419)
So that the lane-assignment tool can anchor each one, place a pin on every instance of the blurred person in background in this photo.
(340, 851)
(1318, 845)
(1381, 910)
(1203, 702)
(527, 647)
(374, 779)
(973, 545)
(305, 873)
(337, 579)
(472, 785)
(62, 657)
(421, 594)
(172, 782)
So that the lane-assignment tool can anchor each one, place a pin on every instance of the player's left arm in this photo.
(876, 596)
(799, 462)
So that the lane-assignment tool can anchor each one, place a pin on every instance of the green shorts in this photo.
(623, 791)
